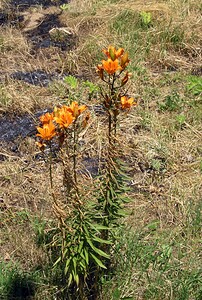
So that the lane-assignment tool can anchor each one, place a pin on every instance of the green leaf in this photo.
(80, 247)
(82, 264)
(57, 261)
(146, 17)
(86, 256)
(181, 119)
(109, 198)
(98, 227)
(70, 279)
(76, 279)
(122, 213)
(74, 262)
(92, 87)
(86, 229)
(67, 265)
(195, 85)
(116, 294)
(64, 6)
(113, 193)
(98, 261)
(153, 225)
(97, 239)
(126, 199)
(98, 251)
(82, 254)
(72, 81)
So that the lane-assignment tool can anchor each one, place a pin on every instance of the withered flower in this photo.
(100, 71)
(75, 109)
(125, 78)
(41, 145)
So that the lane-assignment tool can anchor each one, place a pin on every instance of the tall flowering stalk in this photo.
(76, 240)
(81, 241)
(114, 75)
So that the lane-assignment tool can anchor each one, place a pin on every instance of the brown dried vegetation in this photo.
(164, 152)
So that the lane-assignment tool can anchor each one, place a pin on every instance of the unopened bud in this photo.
(124, 60)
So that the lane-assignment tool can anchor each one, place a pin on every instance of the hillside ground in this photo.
(159, 255)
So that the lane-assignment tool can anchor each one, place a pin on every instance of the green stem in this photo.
(111, 132)
(50, 167)
(74, 153)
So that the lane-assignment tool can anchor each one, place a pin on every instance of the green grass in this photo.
(155, 264)
(16, 283)
(194, 85)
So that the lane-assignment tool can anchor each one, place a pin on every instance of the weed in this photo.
(16, 284)
(39, 228)
(121, 24)
(171, 37)
(194, 218)
(158, 164)
(146, 19)
(180, 121)
(171, 102)
(194, 85)
(4, 96)
(64, 6)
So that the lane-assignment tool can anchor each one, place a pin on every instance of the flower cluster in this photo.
(58, 121)
(114, 67)
(117, 60)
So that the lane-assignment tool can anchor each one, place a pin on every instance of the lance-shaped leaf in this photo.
(98, 261)
(98, 251)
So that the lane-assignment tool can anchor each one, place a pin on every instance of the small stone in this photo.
(7, 257)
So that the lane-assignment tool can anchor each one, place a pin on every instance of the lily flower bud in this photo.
(124, 60)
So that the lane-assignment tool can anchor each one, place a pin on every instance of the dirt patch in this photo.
(12, 128)
(3, 18)
(12, 19)
(24, 4)
(41, 38)
(37, 77)
(36, 25)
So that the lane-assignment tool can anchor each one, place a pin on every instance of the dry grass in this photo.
(164, 157)
(94, 21)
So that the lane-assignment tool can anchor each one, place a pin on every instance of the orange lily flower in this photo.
(111, 66)
(46, 118)
(63, 117)
(75, 109)
(126, 102)
(47, 132)
(112, 53)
